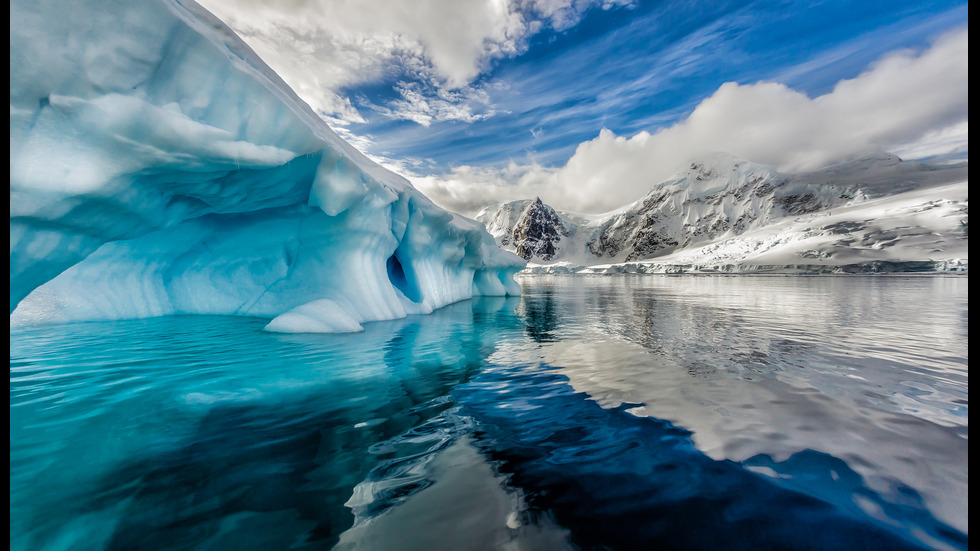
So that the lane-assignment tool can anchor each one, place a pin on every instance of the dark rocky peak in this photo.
(538, 231)
(538, 216)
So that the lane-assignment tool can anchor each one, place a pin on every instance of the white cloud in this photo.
(467, 189)
(424, 105)
(907, 103)
(321, 46)
(950, 142)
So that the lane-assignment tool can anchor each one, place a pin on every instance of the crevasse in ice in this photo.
(158, 166)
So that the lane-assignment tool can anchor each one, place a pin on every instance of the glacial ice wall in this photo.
(158, 166)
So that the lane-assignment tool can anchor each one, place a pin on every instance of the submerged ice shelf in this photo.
(158, 166)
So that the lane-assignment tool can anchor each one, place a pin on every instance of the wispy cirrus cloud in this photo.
(424, 104)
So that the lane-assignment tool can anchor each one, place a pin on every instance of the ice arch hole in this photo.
(402, 281)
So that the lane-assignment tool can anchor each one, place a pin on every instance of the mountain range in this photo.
(722, 214)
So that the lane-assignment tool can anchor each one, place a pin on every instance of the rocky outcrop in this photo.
(538, 232)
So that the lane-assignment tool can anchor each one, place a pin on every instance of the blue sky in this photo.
(645, 68)
(496, 94)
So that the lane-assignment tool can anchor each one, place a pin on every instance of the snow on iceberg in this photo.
(158, 166)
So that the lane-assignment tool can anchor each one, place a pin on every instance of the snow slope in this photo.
(875, 213)
(158, 166)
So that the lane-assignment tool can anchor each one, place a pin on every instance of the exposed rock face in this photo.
(707, 202)
(538, 231)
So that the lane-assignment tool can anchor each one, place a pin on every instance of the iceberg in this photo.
(159, 167)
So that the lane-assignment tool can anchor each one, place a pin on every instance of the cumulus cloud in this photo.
(321, 46)
(914, 103)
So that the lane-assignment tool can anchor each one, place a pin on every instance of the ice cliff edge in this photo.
(158, 166)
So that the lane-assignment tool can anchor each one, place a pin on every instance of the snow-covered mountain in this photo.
(158, 166)
(725, 214)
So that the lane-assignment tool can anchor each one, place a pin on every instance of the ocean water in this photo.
(623, 412)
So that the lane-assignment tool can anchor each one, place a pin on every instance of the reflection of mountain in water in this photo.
(541, 316)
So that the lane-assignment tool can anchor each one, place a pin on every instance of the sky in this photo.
(590, 103)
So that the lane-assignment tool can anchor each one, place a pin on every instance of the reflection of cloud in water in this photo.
(485, 513)
(626, 482)
(773, 366)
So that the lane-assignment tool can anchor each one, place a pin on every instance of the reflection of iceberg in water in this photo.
(280, 454)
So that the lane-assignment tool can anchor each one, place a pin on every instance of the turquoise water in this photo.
(622, 412)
